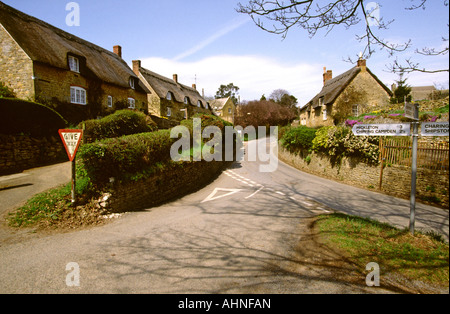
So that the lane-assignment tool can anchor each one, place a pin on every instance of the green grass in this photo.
(47, 207)
(422, 257)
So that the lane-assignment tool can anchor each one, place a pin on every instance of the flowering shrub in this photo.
(351, 123)
(339, 142)
(369, 117)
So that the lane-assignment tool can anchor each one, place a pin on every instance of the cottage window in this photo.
(169, 96)
(132, 82)
(74, 64)
(355, 110)
(131, 103)
(169, 112)
(325, 117)
(199, 104)
(229, 110)
(109, 101)
(77, 95)
(321, 101)
(187, 100)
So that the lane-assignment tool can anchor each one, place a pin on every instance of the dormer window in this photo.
(169, 96)
(74, 64)
(321, 101)
(131, 82)
(199, 104)
(187, 100)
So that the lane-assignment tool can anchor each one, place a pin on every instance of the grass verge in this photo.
(422, 257)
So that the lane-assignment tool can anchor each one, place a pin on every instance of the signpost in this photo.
(404, 129)
(435, 129)
(72, 140)
(401, 129)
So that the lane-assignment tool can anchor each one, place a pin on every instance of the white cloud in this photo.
(254, 75)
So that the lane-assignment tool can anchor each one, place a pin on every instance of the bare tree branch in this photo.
(314, 15)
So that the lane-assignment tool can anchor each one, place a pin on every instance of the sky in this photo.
(209, 43)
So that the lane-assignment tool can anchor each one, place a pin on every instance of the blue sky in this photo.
(208, 42)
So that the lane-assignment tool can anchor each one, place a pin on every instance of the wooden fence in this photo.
(430, 155)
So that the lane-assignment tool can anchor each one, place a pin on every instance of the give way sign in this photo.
(71, 140)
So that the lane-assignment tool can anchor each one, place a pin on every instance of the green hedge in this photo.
(296, 139)
(120, 123)
(25, 117)
(125, 157)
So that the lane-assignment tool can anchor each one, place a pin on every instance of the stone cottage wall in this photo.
(16, 68)
(432, 185)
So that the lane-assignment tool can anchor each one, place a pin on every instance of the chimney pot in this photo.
(194, 86)
(175, 78)
(118, 50)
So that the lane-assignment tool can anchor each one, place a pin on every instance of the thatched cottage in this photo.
(169, 98)
(350, 94)
(41, 62)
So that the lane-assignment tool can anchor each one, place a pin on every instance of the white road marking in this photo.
(255, 193)
(213, 196)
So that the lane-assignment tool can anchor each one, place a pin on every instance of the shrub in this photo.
(299, 138)
(122, 122)
(123, 158)
(339, 142)
(20, 116)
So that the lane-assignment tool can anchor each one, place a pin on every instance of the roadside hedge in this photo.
(120, 123)
(25, 117)
(125, 157)
(297, 139)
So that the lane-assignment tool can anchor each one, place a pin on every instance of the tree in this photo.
(315, 15)
(264, 113)
(403, 90)
(226, 91)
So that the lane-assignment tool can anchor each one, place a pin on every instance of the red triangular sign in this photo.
(71, 140)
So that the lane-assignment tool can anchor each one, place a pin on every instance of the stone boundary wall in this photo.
(174, 182)
(22, 152)
(432, 185)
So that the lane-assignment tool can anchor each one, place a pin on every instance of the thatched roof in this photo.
(217, 104)
(334, 87)
(47, 44)
(163, 85)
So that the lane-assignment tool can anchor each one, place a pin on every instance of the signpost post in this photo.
(72, 140)
(428, 129)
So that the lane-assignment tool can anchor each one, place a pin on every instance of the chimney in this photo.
(194, 86)
(136, 66)
(175, 78)
(362, 63)
(327, 75)
(118, 50)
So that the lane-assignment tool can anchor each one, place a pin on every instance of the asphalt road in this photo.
(237, 235)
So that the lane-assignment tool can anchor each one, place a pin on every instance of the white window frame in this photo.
(321, 99)
(132, 83)
(109, 101)
(78, 95)
(131, 103)
(199, 104)
(325, 116)
(186, 100)
(169, 96)
(74, 64)
(169, 111)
